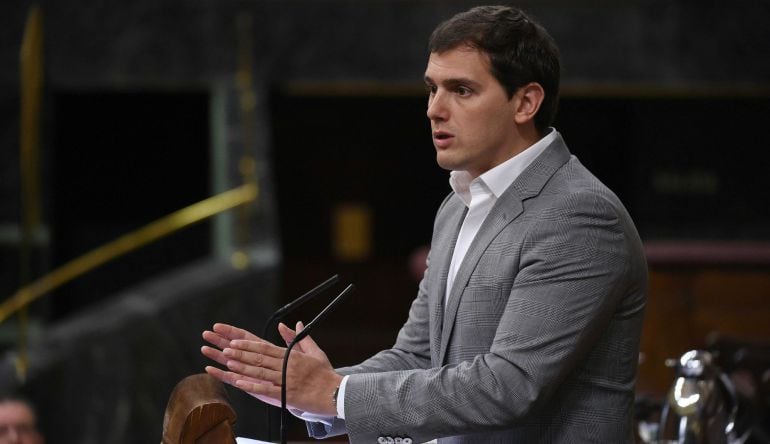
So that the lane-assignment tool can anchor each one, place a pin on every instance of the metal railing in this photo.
(125, 244)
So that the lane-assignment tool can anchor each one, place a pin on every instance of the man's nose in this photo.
(437, 109)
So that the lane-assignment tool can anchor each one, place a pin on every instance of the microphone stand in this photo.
(300, 336)
(284, 311)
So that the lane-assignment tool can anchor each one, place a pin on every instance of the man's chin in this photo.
(445, 162)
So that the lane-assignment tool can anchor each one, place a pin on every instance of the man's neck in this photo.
(529, 136)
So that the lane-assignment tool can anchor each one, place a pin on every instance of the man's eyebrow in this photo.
(452, 82)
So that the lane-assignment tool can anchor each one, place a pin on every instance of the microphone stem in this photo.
(284, 417)
(277, 316)
(301, 335)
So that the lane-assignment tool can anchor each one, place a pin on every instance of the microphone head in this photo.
(295, 304)
(317, 320)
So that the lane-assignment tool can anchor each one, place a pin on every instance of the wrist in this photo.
(335, 392)
(332, 394)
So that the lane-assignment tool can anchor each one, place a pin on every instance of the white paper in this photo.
(240, 440)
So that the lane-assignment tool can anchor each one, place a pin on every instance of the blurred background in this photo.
(115, 114)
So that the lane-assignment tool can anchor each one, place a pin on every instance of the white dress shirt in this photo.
(480, 195)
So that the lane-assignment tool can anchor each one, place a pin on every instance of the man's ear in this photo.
(527, 101)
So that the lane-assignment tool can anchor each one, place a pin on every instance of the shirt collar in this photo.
(499, 178)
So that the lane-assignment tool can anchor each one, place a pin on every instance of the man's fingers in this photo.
(249, 360)
(230, 377)
(222, 334)
(259, 389)
(253, 359)
(308, 344)
(286, 333)
(230, 332)
(215, 339)
(224, 376)
(214, 354)
(261, 347)
(256, 388)
(252, 372)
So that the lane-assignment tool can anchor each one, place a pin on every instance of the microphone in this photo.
(285, 311)
(300, 336)
(297, 303)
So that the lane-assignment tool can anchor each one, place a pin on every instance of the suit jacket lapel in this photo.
(507, 208)
(441, 252)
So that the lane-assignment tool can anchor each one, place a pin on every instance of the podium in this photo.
(198, 412)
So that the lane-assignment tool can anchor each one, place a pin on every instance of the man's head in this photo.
(519, 49)
(18, 422)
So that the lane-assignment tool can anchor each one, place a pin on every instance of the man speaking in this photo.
(527, 322)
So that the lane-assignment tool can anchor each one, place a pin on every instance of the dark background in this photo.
(666, 101)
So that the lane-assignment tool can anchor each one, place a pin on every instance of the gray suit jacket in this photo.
(540, 338)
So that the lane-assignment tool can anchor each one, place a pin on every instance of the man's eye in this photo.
(463, 91)
(430, 89)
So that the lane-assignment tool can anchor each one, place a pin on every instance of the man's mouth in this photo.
(442, 139)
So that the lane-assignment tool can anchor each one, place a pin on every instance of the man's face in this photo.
(17, 424)
(471, 116)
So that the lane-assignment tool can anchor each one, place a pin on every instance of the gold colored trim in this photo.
(247, 97)
(31, 71)
(31, 57)
(127, 243)
(31, 81)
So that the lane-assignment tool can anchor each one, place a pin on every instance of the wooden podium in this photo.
(198, 412)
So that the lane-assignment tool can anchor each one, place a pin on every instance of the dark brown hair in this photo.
(520, 51)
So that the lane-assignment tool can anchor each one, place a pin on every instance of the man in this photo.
(18, 422)
(526, 324)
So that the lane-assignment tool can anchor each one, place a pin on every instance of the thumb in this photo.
(308, 344)
(286, 333)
